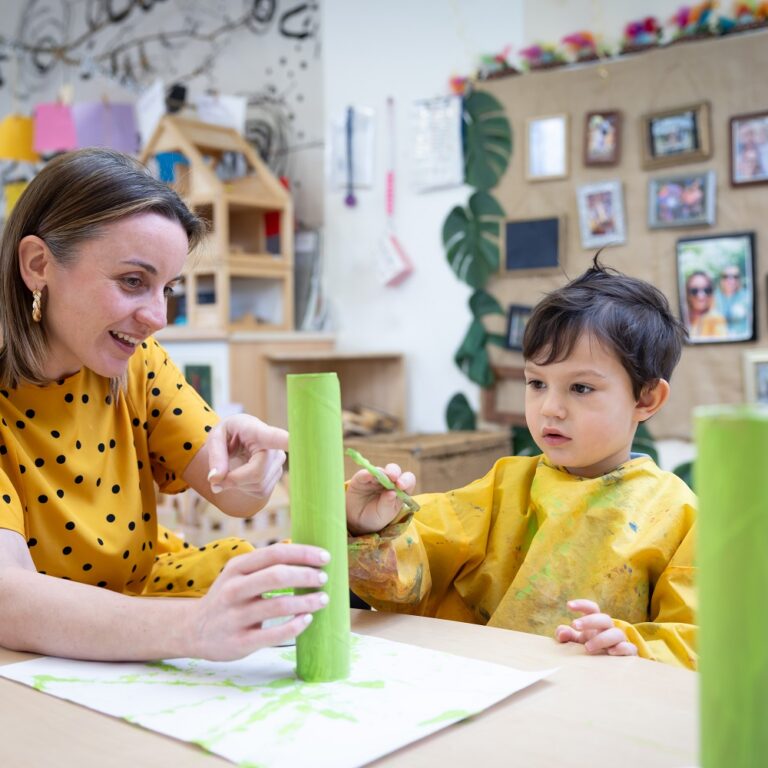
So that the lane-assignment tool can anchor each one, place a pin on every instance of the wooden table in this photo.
(594, 711)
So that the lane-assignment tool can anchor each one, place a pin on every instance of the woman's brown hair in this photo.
(71, 200)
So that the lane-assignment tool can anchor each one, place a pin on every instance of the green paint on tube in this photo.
(732, 445)
(318, 517)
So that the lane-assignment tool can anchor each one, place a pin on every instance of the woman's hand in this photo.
(595, 631)
(245, 454)
(226, 622)
(370, 506)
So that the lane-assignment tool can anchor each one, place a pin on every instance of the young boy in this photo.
(586, 527)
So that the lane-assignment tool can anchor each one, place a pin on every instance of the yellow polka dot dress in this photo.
(77, 471)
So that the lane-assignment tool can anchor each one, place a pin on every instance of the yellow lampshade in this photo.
(16, 139)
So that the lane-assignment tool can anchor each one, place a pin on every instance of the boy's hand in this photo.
(595, 631)
(371, 507)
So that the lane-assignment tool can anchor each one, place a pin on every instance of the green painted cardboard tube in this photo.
(318, 516)
(732, 484)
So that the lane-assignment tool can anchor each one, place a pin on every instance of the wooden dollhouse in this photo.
(239, 279)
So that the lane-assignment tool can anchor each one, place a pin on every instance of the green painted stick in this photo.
(732, 484)
(318, 517)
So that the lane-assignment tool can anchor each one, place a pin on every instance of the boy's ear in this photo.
(34, 262)
(652, 397)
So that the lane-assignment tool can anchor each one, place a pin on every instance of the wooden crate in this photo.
(441, 462)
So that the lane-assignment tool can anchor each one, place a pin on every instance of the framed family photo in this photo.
(602, 138)
(683, 200)
(749, 149)
(517, 317)
(716, 285)
(547, 148)
(675, 136)
(756, 376)
(601, 214)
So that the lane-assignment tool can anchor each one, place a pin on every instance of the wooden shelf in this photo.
(372, 379)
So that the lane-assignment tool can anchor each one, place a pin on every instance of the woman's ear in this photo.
(34, 262)
(652, 397)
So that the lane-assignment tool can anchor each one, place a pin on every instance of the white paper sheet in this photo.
(256, 712)
(437, 154)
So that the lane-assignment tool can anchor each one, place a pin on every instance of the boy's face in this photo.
(581, 411)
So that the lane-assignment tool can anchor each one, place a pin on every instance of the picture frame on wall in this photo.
(200, 378)
(749, 149)
(601, 214)
(675, 136)
(682, 200)
(755, 363)
(602, 138)
(546, 148)
(716, 287)
(517, 317)
(531, 245)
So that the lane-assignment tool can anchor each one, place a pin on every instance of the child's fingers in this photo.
(582, 605)
(406, 482)
(566, 634)
(598, 622)
(623, 649)
(605, 640)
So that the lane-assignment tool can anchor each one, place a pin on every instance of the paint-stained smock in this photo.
(509, 550)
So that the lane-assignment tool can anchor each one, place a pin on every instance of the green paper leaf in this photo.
(471, 238)
(459, 415)
(487, 140)
(474, 341)
(482, 303)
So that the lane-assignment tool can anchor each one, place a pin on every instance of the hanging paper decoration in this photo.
(16, 139)
(104, 124)
(54, 129)
(13, 190)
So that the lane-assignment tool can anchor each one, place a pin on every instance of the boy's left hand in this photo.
(595, 631)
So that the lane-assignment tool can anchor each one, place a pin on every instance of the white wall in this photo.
(408, 49)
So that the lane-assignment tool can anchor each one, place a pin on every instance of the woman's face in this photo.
(98, 309)
(699, 293)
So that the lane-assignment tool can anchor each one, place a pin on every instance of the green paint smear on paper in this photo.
(451, 714)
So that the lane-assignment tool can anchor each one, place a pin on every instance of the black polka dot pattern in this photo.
(83, 464)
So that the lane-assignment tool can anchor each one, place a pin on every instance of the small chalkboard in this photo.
(531, 244)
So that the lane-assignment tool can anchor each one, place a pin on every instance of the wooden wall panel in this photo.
(729, 73)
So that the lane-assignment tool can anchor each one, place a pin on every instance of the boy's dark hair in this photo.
(629, 316)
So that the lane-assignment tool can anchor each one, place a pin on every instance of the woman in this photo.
(702, 321)
(93, 411)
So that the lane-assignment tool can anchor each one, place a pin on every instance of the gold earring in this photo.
(37, 314)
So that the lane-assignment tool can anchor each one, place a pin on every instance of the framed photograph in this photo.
(601, 214)
(684, 200)
(755, 363)
(517, 317)
(602, 138)
(676, 136)
(716, 284)
(749, 149)
(547, 148)
(531, 244)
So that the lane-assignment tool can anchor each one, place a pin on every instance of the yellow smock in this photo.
(77, 472)
(509, 550)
